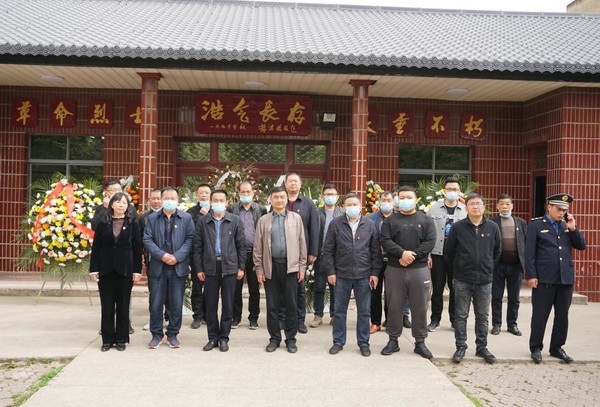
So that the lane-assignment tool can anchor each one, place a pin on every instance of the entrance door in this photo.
(537, 160)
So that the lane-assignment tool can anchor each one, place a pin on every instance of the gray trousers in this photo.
(414, 284)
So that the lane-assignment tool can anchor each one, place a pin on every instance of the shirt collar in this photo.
(283, 214)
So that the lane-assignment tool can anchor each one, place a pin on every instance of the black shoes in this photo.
(131, 330)
(105, 347)
(335, 349)
(562, 355)
(302, 328)
(495, 330)
(536, 356)
(253, 325)
(120, 347)
(196, 323)
(210, 346)
(514, 330)
(486, 355)
(406, 322)
(235, 323)
(421, 349)
(223, 346)
(291, 347)
(391, 347)
(459, 355)
(433, 326)
(365, 350)
(272, 346)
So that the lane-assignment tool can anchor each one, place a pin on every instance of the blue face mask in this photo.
(218, 208)
(245, 199)
(169, 205)
(330, 200)
(451, 196)
(396, 201)
(386, 207)
(156, 210)
(204, 204)
(352, 211)
(506, 216)
(406, 204)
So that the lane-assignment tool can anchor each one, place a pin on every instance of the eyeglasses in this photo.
(475, 204)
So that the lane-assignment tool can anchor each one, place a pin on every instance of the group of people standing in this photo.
(417, 256)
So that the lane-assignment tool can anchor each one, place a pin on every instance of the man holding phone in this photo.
(352, 261)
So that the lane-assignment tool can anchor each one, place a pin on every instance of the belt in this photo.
(280, 261)
(249, 249)
(218, 258)
(385, 259)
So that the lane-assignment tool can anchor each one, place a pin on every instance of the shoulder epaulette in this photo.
(538, 218)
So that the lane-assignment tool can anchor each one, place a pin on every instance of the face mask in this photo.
(204, 204)
(218, 208)
(353, 211)
(396, 201)
(169, 205)
(156, 210)
(386, 207)
(245, 199)
(507, 215)
(330, 200)
(452, 196)
(406, 204)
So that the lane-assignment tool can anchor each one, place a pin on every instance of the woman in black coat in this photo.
(116, 263)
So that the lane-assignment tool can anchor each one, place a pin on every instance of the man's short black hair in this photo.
(404, 188)
(348, 196)
(451, 180)
(218, 191)
(330, 186)
(277, 189)
(245, 182)
(292, 173)
(386, 193)
(112, 182)
(168, 188)
(472, 196)
(504, 196)
(204, 185)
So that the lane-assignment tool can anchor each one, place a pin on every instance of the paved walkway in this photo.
(247, 375)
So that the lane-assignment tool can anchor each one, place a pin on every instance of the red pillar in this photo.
(360, 117)
(148, 134)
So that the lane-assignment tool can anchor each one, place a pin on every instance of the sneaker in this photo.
(374, 328)
(196, 324)
(406, 322)
(318, 320)
(391, 347)
(155, 342)
(235, 324)
(459, 354)
(335, 349)
(433, 326)
(173, 342)
(253, 325)
(495, 330)
(131, 330)
(146, 327)
(421, 349)
(486, 355)
(365, 351)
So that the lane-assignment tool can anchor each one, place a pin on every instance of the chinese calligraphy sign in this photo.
(373, 123)
(24, 113)
(100, 114)
(63, 113)
(472, 126)
(437, 125)
(133, 115)
(400, 123)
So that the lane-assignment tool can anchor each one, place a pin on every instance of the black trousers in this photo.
(115, 295)
(197, 297)
(253, 290)
(440, 276)
(543, 298)
(218, 330)
(282, 291)
(376, 307)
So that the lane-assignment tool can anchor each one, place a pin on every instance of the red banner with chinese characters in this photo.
(400, 123)
(100, 114)
(24, 113)
(133, 114)
(373, 123)
(63, 113)
(437, 125)
(253, 114)
(472, 126)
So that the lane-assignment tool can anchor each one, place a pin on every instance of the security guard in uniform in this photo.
(549, 272)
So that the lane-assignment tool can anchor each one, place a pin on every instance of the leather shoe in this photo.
(291, 347)
(536, 355)
(514, 330)
(335, 349)
(210, 345)
(105, 347)
(120, 347)
(196, 323)
(223, 346)
(374, 328)
(495, 330)
(391, 347)
(272, 346)
(302, 328)
(421, 349)
(365, 350)
(562, 355)
(486, 355)
(459, 355)
(406, 322)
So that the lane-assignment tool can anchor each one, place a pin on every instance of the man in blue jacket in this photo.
(219, 261)
(352, 260)
(168, 239)
(472, 251)
(550, 274)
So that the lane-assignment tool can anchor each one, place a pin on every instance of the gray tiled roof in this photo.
(205, 30)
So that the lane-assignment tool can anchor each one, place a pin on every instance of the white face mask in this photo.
(507, 215)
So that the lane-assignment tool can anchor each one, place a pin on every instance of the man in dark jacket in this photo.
(509, 272)
(550, 274)
(472, 251)
(352, 260)
(219, 260)
(249, 212)
(407, 238)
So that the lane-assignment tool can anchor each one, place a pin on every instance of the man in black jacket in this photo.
(509, 272)
(249, 212)
(352, 260)
(472, 251)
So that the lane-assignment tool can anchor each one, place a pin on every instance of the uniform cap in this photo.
(560, 200)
